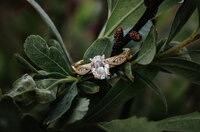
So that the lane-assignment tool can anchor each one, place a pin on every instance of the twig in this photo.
(148, 15)
(177, 48)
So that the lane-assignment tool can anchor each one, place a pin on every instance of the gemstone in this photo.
(100, 67)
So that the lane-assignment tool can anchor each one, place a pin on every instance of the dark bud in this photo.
(135, 36)
(119, 35)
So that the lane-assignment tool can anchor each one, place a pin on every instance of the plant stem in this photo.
(65, 80)
(177, 48)
(148, 15)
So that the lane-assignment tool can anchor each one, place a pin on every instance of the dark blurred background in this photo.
(79, 22)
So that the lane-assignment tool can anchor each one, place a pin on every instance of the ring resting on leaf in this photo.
(100, 66)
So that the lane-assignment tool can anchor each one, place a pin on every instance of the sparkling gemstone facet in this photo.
(100, 67)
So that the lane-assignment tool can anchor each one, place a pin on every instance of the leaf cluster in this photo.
(78, 99)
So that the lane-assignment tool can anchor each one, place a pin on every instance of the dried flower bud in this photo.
(119, 34)
(135, 36)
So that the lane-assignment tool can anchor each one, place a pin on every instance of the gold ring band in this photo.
(99, 65)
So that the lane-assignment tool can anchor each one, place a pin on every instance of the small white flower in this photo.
(100, 67)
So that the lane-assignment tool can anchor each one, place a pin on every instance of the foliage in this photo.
(75, 101)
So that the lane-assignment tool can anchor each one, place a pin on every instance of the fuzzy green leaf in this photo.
(49, 22)
(187, 69)
(47, 58)
(125, 15)
(183, 123)
(56, 44)
(25, 63)
(102, 46)
(128, 71)
(132, 124)
(89, 87)
(182, 16)
(148, 50)
(62, 105)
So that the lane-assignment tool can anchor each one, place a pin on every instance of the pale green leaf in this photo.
(132, 124)
(102, 46)
(79, 111)
(148, 49)
(43, 94)
(183, 123)
(49, 22)
(62, 105)
(47, 58)
(23, 90)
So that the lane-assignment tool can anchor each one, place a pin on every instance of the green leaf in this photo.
(182, 16)
(44, 75)
(117, 95)
(184, 123)
(111, 4)
(62, 105)
(56, 44)
(25, 63)
(26, 90)
(198, 6)
(102, 46)
(125, 15)
(23, 90)
(43, 94)
(167, 4)
(156, 89)
(89, 87)
(188, 69)
(144, 31)
(148, 50)
(47, 58)
(128, 71)
(132, 124)
(79, 111)
(49, 22)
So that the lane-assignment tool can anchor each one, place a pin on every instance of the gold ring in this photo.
(100, 66)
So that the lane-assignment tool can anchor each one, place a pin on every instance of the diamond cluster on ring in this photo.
(100, 67)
